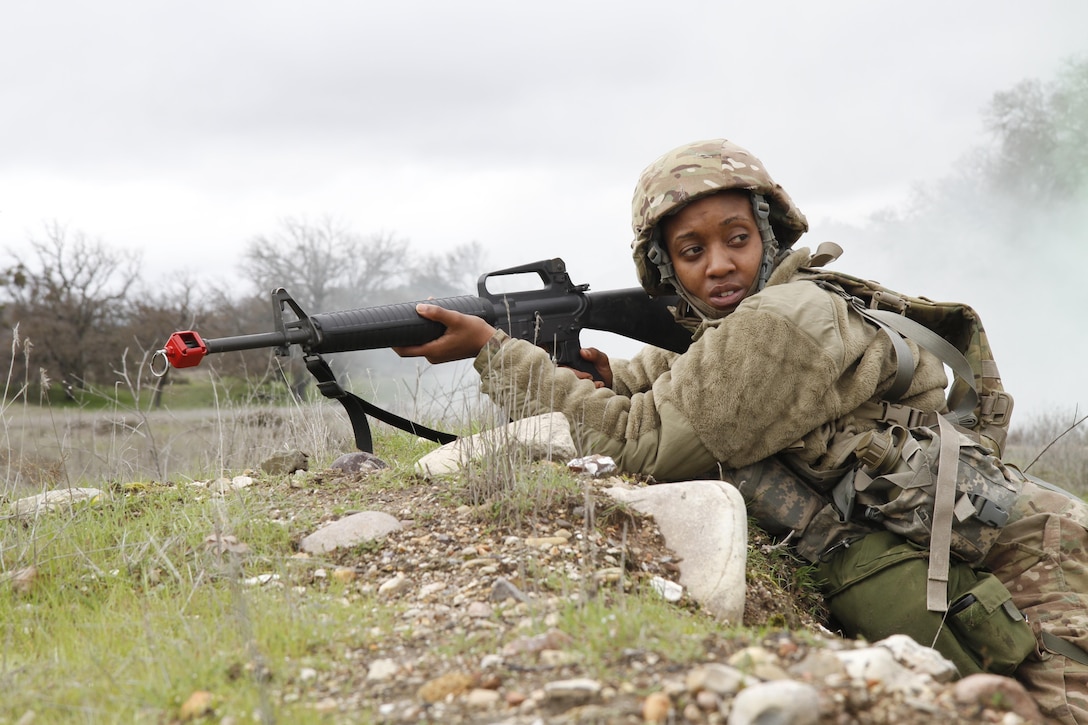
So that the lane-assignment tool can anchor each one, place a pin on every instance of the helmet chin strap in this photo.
(770, 245)
(659, 256)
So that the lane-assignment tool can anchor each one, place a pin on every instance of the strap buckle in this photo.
(996, 408)
(904, 415)
(883, 299)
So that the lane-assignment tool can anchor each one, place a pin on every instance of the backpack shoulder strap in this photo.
(953, 332)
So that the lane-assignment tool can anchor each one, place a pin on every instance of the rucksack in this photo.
(934, 478)
(977, 401)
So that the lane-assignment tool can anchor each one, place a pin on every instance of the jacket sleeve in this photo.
(788, 360)
(638, 435)
(639, 373)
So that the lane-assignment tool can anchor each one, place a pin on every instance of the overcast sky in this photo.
(184, 129)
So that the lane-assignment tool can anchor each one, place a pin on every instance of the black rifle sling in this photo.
(358, 409)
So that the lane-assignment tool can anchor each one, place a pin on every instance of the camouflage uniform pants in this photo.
(1042, 559)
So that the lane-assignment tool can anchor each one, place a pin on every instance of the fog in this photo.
(185, 130)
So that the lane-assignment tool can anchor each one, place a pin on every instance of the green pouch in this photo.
(876, 587)
(987, 622)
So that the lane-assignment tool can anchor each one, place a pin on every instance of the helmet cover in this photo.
(690, 172)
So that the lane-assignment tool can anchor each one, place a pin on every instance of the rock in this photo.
(220, 485)
(197, 705)
(919, 658)
(705, 701)
(358, 462)
(544, 542)
(995, 693)
(502, 590)
(669, 591)
(382, 670)
(441, 687)
(479, 610)
(395, 585)
(344, 574)
(656, 707)
(705, 523)
(286, 463)
(782, 702)
(878, 665)
(21, 580)
(428, 590)
(717, 678)
(350, 531)
(570, 693)
(819, 665)
(52, 500)
(539, 437)
(758, 662)
(480, 698)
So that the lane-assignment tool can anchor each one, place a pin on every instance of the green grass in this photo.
(131, 610)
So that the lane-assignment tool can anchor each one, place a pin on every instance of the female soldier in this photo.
(783, 368)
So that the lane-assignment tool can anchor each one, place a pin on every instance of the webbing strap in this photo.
(940, 541)
(1064, 647)
(358, 409)
(904, 359)
(945, 351)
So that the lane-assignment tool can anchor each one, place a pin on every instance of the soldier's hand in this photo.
(464, 337)
(600, 363)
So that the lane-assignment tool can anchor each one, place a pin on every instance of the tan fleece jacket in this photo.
(784, 370)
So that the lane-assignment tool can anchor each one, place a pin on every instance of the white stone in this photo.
(53, 500)
(479, 698)
(718, 678)
(919, 658)
(350, 531)
(539, 437)
(669, 591)
(705, 523)
(878, 664)
(381, 670)
(782, 702)
(394, 585)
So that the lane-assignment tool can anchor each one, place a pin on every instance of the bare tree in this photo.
(453, 272)
(325, 264)
(68, 300)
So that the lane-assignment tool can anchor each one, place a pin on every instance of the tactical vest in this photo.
(934, 478)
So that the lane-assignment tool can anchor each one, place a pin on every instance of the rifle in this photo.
(551, 317)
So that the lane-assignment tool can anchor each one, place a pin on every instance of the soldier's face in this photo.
(715, 248)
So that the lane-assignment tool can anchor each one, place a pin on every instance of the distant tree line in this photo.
(76, 313)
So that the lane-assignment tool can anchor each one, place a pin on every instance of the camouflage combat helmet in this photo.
(695, 170)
